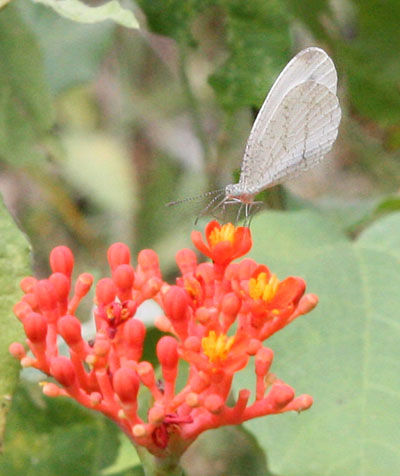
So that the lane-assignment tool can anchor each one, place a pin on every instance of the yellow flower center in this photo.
(192, 287)
(260, 288)
(216, 348)
(225, 233)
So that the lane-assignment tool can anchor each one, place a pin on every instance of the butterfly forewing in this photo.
(311, 64)
(297, 123)
(302, 130)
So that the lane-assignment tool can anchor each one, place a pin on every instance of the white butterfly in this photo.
(296, 126)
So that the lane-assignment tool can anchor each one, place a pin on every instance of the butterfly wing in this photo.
(310, 65)
(301, 130)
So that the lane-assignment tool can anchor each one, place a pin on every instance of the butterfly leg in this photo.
(207, 208)
(239, 212)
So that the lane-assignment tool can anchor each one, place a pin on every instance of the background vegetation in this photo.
(102, 123)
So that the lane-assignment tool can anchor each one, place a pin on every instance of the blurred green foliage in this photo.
(101, 125)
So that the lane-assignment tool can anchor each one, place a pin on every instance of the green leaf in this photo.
(363, 37)
(26, 111)
(55, 436)
(313, 13)
(14, 265)
(228, 450)
(171, 17)
(258, 44)
(344, 354)
(79, 12)
(373, 85)
(72, 51)
(127, 457)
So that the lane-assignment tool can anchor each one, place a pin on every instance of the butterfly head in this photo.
(236, 193)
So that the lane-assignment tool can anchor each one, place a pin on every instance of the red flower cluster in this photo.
(106, 373)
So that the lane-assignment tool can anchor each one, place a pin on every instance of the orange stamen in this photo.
(260, 288)
(216, 348)
(225, 233)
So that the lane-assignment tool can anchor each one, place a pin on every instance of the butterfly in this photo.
(293, 131)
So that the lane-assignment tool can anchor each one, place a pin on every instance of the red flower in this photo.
(217, 316)
(224, 243)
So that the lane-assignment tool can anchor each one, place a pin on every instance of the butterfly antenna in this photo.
(196, 197)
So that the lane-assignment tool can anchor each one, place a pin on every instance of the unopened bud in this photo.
(214, 403)
(186, 260)
(126, 384)
(28, 284)
(148, 262)
(123, 276)
(62, 370)
(61, 285)
(62, 260)
(17, 350)
(83, 284)
(70, 329)
(118, 254)
(51, 389)
(106, 291)
(139, 431)
(35, 326)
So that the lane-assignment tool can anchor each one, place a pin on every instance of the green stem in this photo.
(153, 466)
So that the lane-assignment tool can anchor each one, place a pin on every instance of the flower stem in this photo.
(153, 466)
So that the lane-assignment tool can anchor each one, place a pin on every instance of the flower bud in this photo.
(51, 390)
(186, 260)
(146, 373)
(280, 395)
(156, 414)
(302, 403)
(149, 264)
(95, 398)
(28, 284)
(167, 352)
(101, 347)
(22, 309)
(139, 431)
(230, 304)
(62, 370)
(62, 260)
(192, 343)
(45, 294)
(307, 304)
(31, 300)
(200, 382)
(192, 399)
(123, 276)
(17, 350)
(61, 285)
(151, 287)
(70, 329)
(263, 361)
(126, 384)
(83, 284)
(214, 403)
(118, 254)
(35, 326)
(135, 332)
(246, 269)
(176, 303)
(106, 291)
(206, 272)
